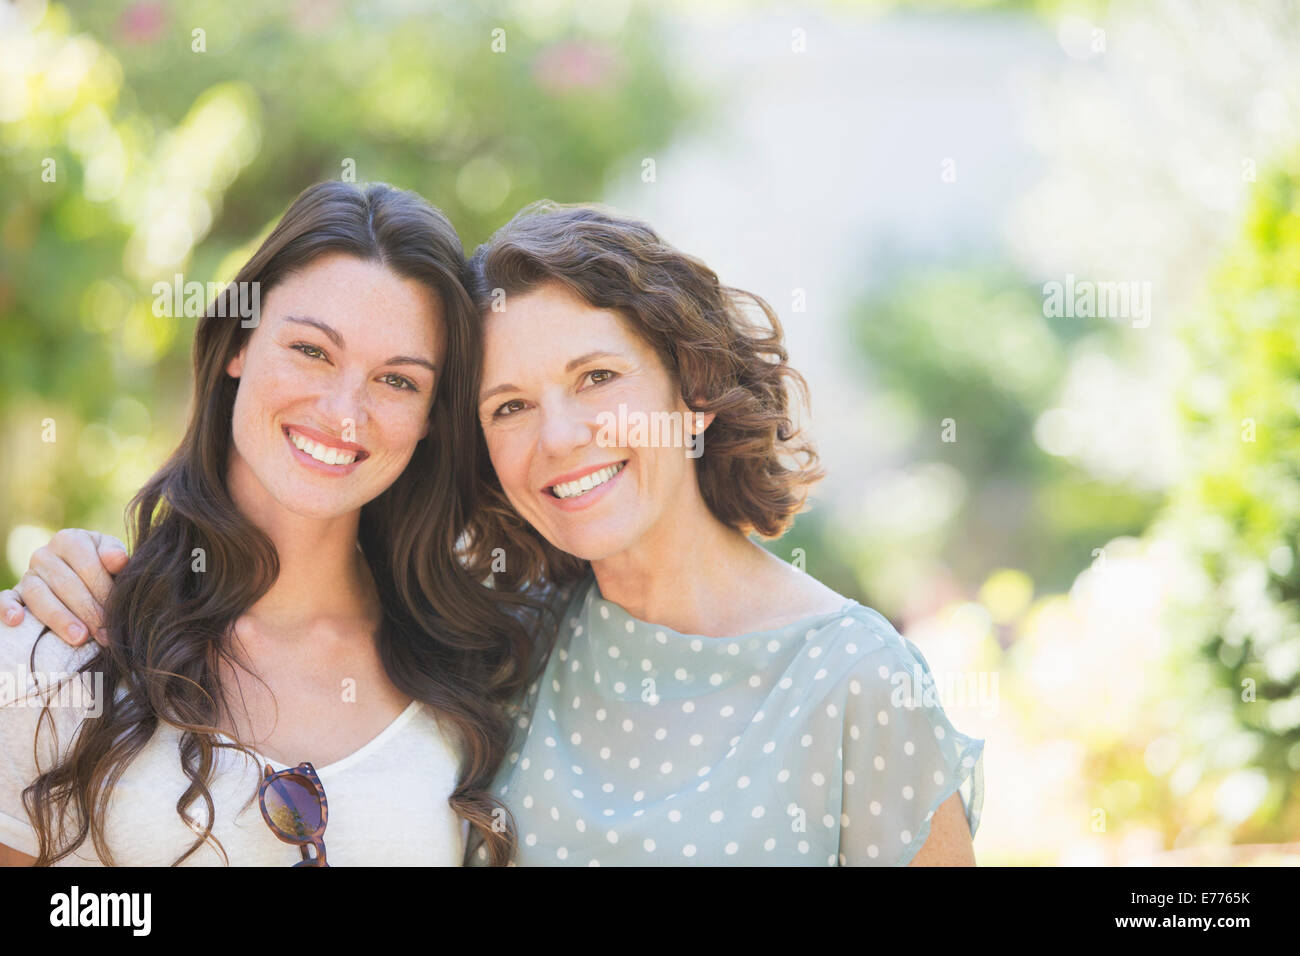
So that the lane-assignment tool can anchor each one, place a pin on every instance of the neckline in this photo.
(810, 622)
(343, 762)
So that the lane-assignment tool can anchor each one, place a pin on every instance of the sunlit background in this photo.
(1088, 524)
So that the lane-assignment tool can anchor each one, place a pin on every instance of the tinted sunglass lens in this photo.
(293, 805)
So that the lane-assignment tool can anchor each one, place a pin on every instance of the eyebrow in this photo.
(569, 366)
(333, 335)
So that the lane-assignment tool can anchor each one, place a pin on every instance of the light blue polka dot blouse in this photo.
(804, 745)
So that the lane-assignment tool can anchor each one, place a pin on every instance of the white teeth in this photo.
(571, 489)
(322, 453)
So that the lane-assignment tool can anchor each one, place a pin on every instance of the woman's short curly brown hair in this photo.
(756, 469)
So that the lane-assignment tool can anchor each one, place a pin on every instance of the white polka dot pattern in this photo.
(794, 746)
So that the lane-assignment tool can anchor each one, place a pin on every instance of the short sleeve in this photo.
(902, 757)
(26, 685)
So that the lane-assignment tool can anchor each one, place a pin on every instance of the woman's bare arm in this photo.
(949, 842)
(11, 857)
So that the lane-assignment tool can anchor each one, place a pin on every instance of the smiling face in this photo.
(336, 383)
(557, 374)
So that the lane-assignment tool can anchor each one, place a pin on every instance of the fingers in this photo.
(11, 607)
(67, 566)
(67, 585)
(64, 583)
(50, 611)
(112, 554)
(79, 551)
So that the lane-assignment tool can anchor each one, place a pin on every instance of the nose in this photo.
(566, 425)
(344, 401)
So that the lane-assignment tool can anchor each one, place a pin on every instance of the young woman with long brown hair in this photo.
(293, 594)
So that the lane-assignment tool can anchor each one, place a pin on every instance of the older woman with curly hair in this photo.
(702, 702)
(705, 702)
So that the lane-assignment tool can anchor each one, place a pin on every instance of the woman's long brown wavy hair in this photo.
(722, 346)
(444, 639)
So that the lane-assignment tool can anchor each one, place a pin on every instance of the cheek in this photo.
(253, 400)
(410, 425)
(396, 427)
(644, 395)
(665, 470)
(509, 457)
(267, 386)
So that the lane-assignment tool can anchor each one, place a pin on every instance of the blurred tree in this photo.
(1237, 516)
(139, 140)
(969, 355)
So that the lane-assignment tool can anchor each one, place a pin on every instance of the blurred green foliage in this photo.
(1237, 513)
(166, 158)
(1182, 726)
(139, 140)
(970, 356)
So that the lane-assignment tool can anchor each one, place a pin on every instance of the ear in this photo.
(700, 421)
(235, 367)
(697, 422)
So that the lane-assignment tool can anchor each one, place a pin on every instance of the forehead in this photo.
(360, 296)
(552, 324)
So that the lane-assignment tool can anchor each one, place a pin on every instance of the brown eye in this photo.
(310, 351)
(502, 411)
(400, 382)
(600, 371)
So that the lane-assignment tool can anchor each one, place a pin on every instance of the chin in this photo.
(321, 512)
(596, 545)
(310, 503)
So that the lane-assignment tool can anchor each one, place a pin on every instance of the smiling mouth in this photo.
(576, 489)
(325, 454)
